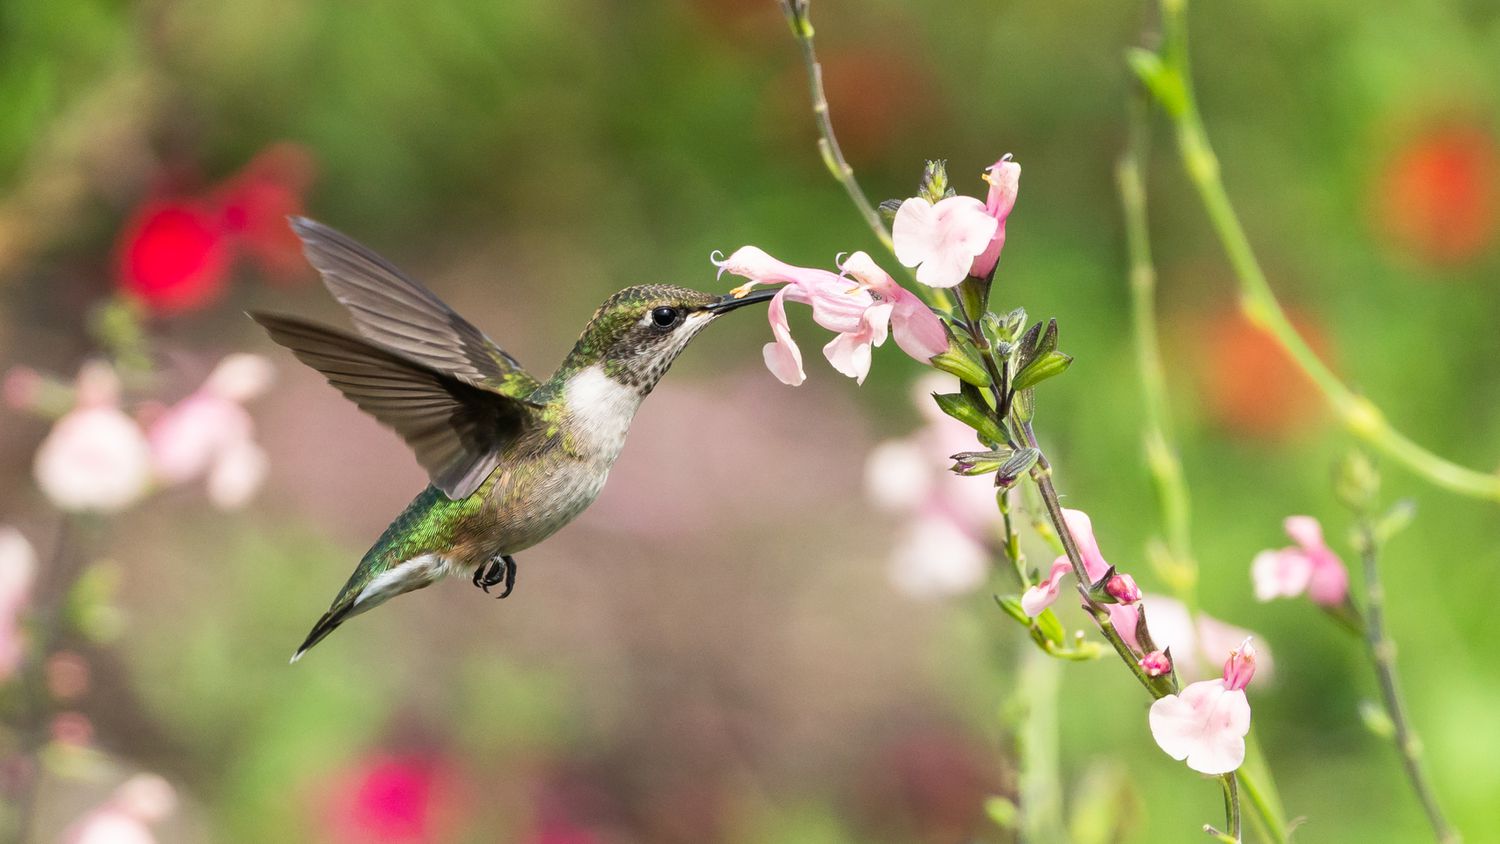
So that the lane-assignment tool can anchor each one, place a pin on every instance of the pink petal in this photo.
(1082, 528)
(1125, 618)
(1205, 725)
(237, 475)
(1044, 594)
(240, 377)
(1329, 583)
(1004, 177)
(754, 264)
(94, 459)
(941, 240)
(783, 357)
(849, 353)
(917, 329)
(1305, 531)
(1239, 669)
(1280, 574)
(914, 231)
(935, 559)
(188, 437)
(900, 476)
(838, 304)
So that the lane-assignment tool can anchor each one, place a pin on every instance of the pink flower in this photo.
(1041, 596)
(127, 816)
(908, 478)
(17, 571)
(942, 240)
(1206, 724)
(1311, 567)
(917, 330)
(1156, 664)
(392, 799)
(210, 434)
(862, 310)
(1122, 588)
(1004, 177)
(96, 457)
(1197, 640)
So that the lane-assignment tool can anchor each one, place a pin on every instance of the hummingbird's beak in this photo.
(729, 302)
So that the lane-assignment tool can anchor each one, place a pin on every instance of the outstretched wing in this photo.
(456, 429)
(398, 312)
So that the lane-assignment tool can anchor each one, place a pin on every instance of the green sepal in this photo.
(971, 463)
(962, 360)
(1047, 366)
(1050, 627)
(1019, 463)
(934, 184)
(975, 415)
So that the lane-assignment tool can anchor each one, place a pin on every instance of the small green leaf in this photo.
(1050, 627)
(1012, 606)
(1048, 366)
(976, 416)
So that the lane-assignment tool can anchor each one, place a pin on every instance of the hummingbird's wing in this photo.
(456, 429)
(396, 311)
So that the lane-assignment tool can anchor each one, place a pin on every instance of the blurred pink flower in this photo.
(861, 308)
(95, 458)
(1044, 594)
(17, 571)
(1198, 642)
(127, 816)
(942, 240)
(953, 516)
(1206, 724)
(1004, 178)
(392, 799)
(210, 434)
(1311, 567)
(173, 256)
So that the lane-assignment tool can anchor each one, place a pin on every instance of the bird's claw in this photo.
(502, 569)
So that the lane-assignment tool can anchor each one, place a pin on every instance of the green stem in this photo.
(1357, 413)
(1162, 460)
(1231, 804)
(1382, 652)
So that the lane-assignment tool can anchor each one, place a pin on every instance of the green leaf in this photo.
(1012, 606)
(1048, 366)
(976, 416)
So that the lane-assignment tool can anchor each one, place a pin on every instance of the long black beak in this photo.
(730, 302)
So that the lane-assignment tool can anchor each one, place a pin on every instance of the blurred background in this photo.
(738, 642)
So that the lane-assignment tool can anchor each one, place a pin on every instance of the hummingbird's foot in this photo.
(501, 569)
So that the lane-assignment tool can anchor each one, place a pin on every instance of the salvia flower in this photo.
(1206, 723)
(210, 434)
(1124, 615)
(1004, 178)
(96, 457)
(1311, 567)
(862, 309)
(942, 239)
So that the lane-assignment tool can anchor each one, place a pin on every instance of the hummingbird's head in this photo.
(638, 332)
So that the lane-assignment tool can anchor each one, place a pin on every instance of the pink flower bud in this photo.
(1122, 588)
(1240, 667)
(1156, 664)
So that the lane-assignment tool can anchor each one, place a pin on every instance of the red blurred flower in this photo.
(1250, 386)
(256, 202)
(393, 799)
(1439, 195)
(174, 255)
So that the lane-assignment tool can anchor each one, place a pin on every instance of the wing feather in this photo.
(457, 429)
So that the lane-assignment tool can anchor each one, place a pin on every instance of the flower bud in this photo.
(1156, 664)
(1122, 588)
(1240, 667)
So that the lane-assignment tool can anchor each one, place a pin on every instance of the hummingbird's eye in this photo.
(665, 317)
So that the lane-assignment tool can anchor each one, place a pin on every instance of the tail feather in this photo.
(327, 624)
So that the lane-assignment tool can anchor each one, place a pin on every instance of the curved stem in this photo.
(1357, 413)
(1383, 657)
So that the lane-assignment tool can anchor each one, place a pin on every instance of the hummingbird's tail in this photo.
(327, 624)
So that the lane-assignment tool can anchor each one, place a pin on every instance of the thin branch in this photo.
(1174, 90)
(1383, 658)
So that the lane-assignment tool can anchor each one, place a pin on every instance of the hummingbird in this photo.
(511, 459)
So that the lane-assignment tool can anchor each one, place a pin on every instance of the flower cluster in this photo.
(99, 458)
(176, 252)
(1310, 567)
(946, 241)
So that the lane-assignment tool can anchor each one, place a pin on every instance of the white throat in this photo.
(600, 410)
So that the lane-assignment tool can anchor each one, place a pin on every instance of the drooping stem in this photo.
(1382, 652)
(1357, 413)
(1231, 810)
